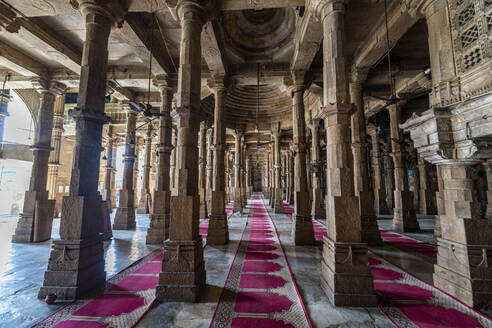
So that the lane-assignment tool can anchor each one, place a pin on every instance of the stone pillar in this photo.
(426, 202)
(441, 210)
(218, 231)
(389, 176)
(183, 269)
(202, 164)
(160, 214)
(124, 218)
(404, 218)
(464, 249)
(378, 185)
(266, 191)
(107, 192)
(416, 177)
(210, 161)
(272, 176)
(36, 220)
(136, 171)
(244, 199)
(278, 205)
(318, 209)
(174, 142)
(488, 173)
(145, 196)
(54, 160)
(153, 169)
(346, 277)
(113, 172)
(76, 263)
(237, 173)
(362, 179)
(290, 162)
(302, 224)
(4, 113)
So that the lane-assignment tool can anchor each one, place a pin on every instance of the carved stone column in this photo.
(145, 196)
(290, 162)
(124, 218)
(416, 177)
(426, 202)
(237, 172)
(346, 277)
(302, 225)
(136, 171)
(244, 199)
(218, 231)
(378, 185)
(174, 142)
(107, 192)
(362, 179)
(76, 264)
(404, 218)
(183, 269)
(160, 214)
(113, 172)
(389, 176)
(210, 162)
(36, 219)
(266, 191)
(56, 136)
(202, 164)
(318, 209)
(278, 205)
(488, 173)
(272, 176)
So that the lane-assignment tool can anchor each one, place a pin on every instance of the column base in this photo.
(218, 231)
(346, 276)
(404, 218)
(302, 230)
(380, 203)
(369, 224)
(143, 205)
(36, 220)
(158, 230)
(237, 207)
(106, 233)
(183, 275)
(203, 210)
(76, 263)
(462, 271)
(124, 219)
(278, 204)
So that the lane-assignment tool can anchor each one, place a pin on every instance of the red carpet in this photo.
(423, 250)
(409, 302)
(260, 291)
(127, 297)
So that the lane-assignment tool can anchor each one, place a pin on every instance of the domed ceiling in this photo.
(258, 35)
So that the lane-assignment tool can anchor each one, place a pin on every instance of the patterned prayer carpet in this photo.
(126, 298)
(260, 290)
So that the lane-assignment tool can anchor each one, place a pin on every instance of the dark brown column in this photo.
(302, 225)
(124, 218)
(36, 219)
(346, 277)
(183, 269)
(76, 264)
(161, 207)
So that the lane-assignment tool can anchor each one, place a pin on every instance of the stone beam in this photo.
(264, 4)
(18, 61)
(309, 36)
(211, 49)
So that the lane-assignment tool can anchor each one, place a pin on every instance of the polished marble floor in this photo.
(22, 268)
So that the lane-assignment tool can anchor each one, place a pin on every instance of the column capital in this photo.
(166, 82)
(46, 85)
(322, 8)
(114, 10)
(337, 108)
(358, 75)
(194, 10)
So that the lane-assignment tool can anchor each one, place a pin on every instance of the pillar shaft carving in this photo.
(377, 167)
(318, 208)
(202, 169)
(107, 192)
(209, 167)
(145, 196)
(237, 172)
(56, 139)
(278, 205)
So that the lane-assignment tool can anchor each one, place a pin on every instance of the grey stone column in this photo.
(124, 218)
(237, 172)
(136, 171)
(346, 276)
(488, 173)
(145, 196)
(36, 219)
(107, 192)
(302, 225)
(278, 205)
(244, 199)
(362, 179)
(113, 172)
(158, 230)
(174, 142)
(218, 231)
(290, 162)
(54, 159)
(389, 176)
(426, 202)
(266, 191)
(209, 167)
(404, 218)
(4, 113)
(317, 209)
(202, 164)
(378, 185)
(272, 176)
(76, 264)
(183, 269)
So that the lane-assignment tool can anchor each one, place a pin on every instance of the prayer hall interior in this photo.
(245, 163)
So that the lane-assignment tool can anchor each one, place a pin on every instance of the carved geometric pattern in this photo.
(472, 58)
(459, 2)
(466, 15)
(489, 20)
(469, 36)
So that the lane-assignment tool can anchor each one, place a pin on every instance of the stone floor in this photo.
(22, 268)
